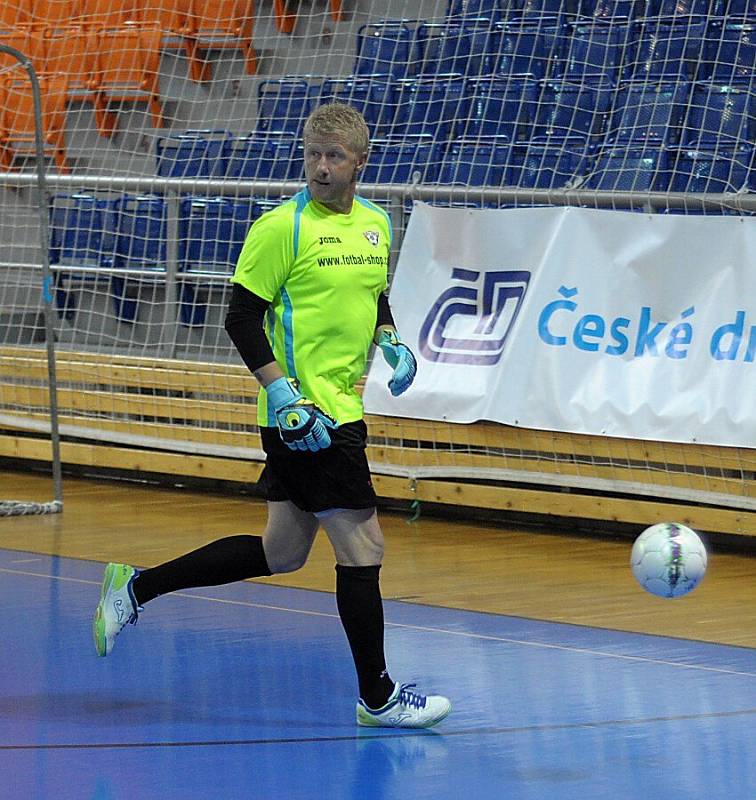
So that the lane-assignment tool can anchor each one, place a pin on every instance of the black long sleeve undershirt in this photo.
(384, 312)
(245, 321)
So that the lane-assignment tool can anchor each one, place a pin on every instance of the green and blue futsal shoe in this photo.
(405, 709)
(117, 606)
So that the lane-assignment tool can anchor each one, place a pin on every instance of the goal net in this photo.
(170, 126)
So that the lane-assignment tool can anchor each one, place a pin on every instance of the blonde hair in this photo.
(342, 120)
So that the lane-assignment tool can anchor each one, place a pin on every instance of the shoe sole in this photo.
(369, 721)
(98, 625)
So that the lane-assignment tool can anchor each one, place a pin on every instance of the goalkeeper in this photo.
(308, 300)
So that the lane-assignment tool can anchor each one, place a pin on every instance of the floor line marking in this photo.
(431, 735)
(425, 628)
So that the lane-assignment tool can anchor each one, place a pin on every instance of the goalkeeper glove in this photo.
(400, 359)
(302, 425)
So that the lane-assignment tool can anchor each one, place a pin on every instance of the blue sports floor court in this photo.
(246, 691)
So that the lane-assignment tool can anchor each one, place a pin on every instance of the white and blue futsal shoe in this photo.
(405, 709)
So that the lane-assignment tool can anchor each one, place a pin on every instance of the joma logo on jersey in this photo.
(329, 240)
(372, 236)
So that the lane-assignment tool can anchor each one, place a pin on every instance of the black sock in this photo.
(224, 561)
(358, 598)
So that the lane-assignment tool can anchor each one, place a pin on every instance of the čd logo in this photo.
(470, 321)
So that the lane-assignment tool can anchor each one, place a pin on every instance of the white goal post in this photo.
(45, 292)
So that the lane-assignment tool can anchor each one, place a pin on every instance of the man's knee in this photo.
(286, 562)
(357, 539)
(368, 547)
(288, 537)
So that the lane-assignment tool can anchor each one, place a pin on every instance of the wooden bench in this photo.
(186, 418)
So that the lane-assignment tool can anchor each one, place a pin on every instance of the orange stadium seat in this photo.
(168, 16)
(109, 13)
(27, 41)
(171, 18)
(56, 13)
(335, 6)
(220, 24)
(286, 17)
(17, 127)
(71, 53)
(15, 12)
(127, 68)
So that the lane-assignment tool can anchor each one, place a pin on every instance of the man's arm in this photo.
(385, 319)
(302, 425)
(245, 319)
(396, 353)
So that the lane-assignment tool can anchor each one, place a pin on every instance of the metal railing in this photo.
(173, 190)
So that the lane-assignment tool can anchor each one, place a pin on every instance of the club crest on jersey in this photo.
(372, 236)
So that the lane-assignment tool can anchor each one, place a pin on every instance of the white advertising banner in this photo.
(580, 320)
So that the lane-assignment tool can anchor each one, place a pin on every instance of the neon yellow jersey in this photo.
(322, 273)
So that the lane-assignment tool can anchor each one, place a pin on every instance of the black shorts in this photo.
(337, 477)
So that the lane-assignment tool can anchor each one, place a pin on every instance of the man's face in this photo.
(331, 168)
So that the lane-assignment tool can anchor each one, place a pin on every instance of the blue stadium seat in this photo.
(491, 9)
(141, 238)
(483, 161)
(594, 48)
(736, 9)
(429, 105)
(730, 52)
(211, 234)
(524, 47)
(192, 154)
(719, 114)
(607, 10)
(283, 105)
(65, 299)
(498, 106)
(682, 8)
(374, 98)
(395, 159)
(124, 293)
(296, 168)
(386, 48)
(82, 233)
(648, 112)
(668, 48)
(630, 169)
(141, 232)
(258, 156)
(82, 230)
(572, 109)
(455, 47)
(546, 8)
(712, 170)
(547, 166)
(192, 304)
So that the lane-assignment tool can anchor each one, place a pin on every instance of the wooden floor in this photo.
(528, 573)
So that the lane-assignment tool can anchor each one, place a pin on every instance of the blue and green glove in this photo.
(400, 359)
(302, 425)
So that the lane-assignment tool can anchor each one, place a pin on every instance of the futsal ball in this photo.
(668, 559)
